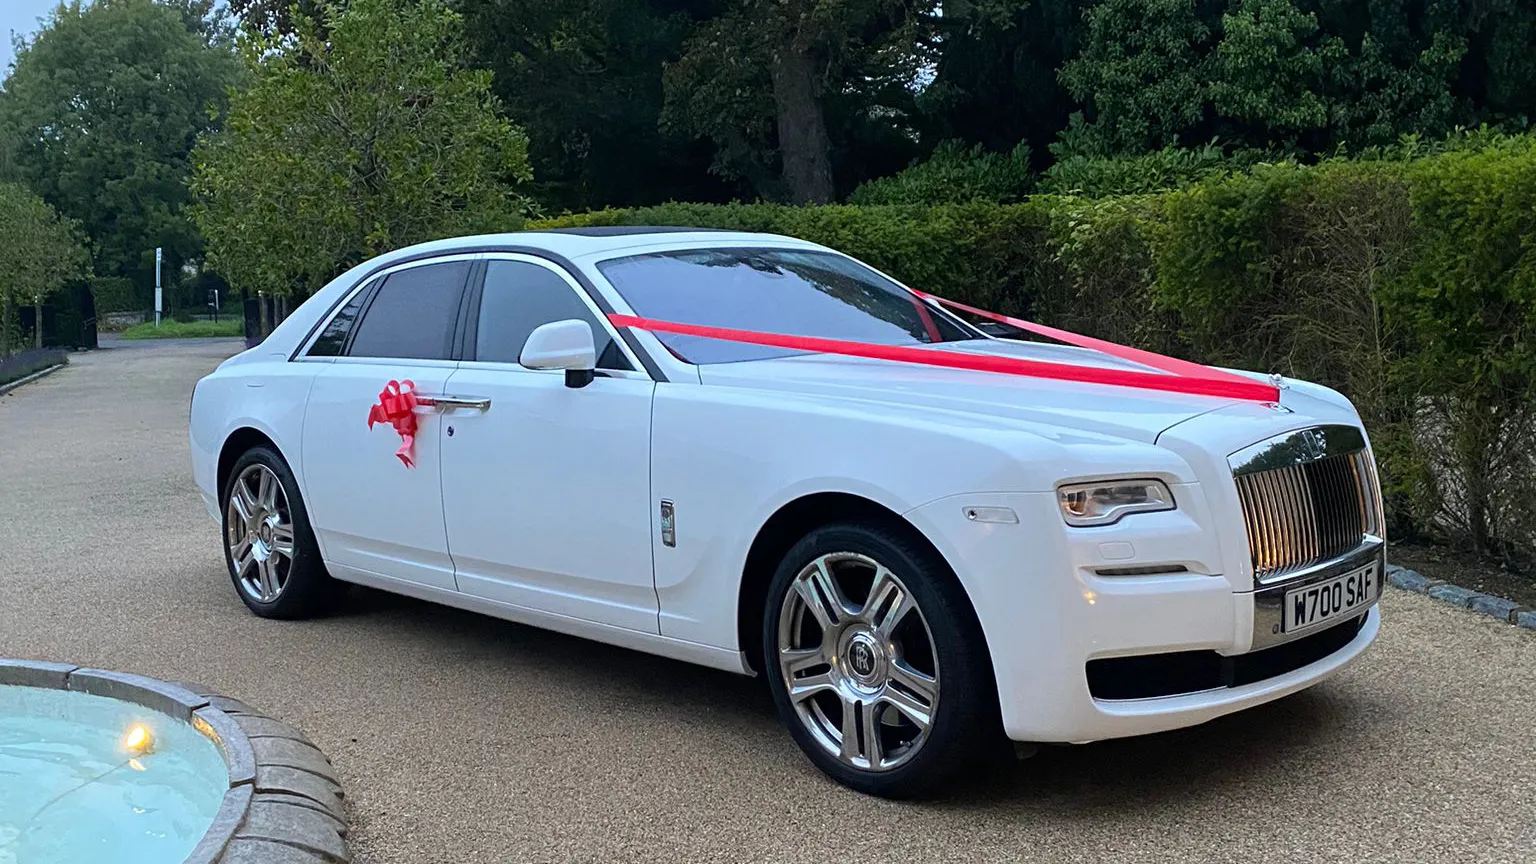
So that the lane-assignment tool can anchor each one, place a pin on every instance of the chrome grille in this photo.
(1304, 501)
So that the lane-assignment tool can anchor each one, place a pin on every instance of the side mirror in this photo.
(564, 345)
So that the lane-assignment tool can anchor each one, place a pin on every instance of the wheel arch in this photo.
(792, 521)
(235, 445)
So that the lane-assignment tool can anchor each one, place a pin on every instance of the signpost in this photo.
(159, 256)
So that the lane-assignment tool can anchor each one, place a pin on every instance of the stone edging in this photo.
(27, 379)
(283, 804)
(1507, 611)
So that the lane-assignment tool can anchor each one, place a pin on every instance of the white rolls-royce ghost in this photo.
(921, 559)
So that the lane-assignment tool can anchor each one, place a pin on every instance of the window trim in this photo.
(371, 283)
(477, 289)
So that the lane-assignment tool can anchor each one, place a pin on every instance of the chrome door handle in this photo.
(448, 403)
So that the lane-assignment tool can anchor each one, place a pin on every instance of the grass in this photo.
(185, 329)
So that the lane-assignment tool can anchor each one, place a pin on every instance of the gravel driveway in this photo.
(464, 739)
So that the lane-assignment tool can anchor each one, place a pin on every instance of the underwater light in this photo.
(139, 740)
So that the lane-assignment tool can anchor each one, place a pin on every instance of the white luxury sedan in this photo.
(761, 455)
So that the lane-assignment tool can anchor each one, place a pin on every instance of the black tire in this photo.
(965, 728)
(307, 590)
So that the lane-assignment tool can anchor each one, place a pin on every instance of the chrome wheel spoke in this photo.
(924, 687)
(797, 660)
(802, 689)
(240, 499)
(822, 597)
(269, 584)
(888, 604)
(266, 491)
(244, 560)
(874, 751)
(850, 744)
(282, 540)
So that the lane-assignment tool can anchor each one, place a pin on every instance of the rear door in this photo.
(370, 512)
(547, 490)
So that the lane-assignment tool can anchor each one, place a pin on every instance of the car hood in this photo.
(1134, 414)
(1125, 412)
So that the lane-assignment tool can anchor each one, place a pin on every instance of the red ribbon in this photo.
(397, 407)
(1177, 376)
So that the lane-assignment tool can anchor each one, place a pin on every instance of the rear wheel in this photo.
(876, 662)
(268, 545)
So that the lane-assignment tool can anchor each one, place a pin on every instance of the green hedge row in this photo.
(1409, 284)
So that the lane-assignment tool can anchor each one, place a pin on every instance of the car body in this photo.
(650, 506)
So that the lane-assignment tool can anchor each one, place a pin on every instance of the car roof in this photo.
(593, 242)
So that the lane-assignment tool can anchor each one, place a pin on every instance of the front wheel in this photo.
(268, 545)
(876, 661)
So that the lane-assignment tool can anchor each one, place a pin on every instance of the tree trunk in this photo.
(262, 318)
(37, 326)
(804, 147)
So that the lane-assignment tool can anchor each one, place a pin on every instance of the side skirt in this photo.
(651, 643)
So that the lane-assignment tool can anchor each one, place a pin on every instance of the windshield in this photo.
(788, 291)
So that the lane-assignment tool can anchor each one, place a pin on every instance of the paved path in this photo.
(463, 739)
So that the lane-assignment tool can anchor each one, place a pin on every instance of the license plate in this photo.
(1332, 599)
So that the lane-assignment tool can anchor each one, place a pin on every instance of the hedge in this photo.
(1409, 284)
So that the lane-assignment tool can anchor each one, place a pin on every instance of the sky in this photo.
(19, 17)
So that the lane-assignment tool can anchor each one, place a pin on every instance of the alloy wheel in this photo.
(862, 677)
(259, 533)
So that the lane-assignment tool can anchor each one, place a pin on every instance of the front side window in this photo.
(520, 297)
(413, 314)
(790, 291)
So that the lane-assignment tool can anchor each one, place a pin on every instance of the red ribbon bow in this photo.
(397, 407)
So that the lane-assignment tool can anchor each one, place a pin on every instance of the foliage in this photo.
(100, 113)
(39, 253)
(1170, 167)
(954, 174)
(369, 138)
(115, 294)
(230, 325)
(1309, 75)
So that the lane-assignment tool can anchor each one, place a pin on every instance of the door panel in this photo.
(369, 510)
(547, 493)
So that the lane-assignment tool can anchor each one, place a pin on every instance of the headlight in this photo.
(1104, 502)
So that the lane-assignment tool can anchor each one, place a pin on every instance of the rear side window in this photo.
(333, 339)
(413, 314)
(520, 297)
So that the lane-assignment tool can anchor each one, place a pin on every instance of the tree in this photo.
(100, 114)
(767, 79)
(39, 252)
(369, 138)
(584, 78)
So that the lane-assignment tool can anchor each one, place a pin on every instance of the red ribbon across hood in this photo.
(397, 407)
(1177, 376)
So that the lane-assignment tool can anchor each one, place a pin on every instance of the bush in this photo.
(954, 174)
(1168, 168)
(1406, 281)
(116, 294)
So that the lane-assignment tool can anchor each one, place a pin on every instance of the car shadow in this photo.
(1085, 781)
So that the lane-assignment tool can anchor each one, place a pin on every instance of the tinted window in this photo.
(413, 314)
(790, 291)
(518, 298)
(334, 337)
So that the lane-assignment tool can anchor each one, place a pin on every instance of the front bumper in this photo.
(1047, 613)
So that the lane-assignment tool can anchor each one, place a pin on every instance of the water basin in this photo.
(76, 789)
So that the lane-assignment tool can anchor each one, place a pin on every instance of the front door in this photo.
(547, 490)
(371, 512)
